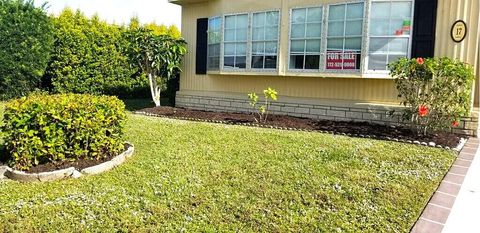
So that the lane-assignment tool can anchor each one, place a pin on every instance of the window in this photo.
(235, 41)
(325, 38)
(344, 36)
(305, 38)
(214, 40)
(265, 40)
(390, 32)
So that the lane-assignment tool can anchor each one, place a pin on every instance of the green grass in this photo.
(189, 176)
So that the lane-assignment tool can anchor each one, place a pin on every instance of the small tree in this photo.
(157, 56)
(262, 110)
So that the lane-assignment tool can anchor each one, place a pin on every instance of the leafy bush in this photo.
(52, 128)
(262, 110)
(88, 58)
(26, 43)
(436, 91)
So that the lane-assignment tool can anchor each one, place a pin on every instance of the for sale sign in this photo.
(338, 60)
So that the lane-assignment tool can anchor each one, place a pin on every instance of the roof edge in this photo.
(185, 2)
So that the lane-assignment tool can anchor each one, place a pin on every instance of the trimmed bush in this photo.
(88, 58)
(435, 91)
(53, 128)
(26, 44)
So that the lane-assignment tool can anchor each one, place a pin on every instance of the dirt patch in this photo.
(359, 128)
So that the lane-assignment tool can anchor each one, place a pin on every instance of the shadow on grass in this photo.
(139, 104)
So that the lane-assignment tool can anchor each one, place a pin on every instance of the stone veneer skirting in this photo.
(310, 108)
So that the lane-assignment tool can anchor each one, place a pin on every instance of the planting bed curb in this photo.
(458, 148)
(70, 172)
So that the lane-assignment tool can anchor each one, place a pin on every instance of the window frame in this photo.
(324, 36)
(321, 38)
(251, 41)
(363, 36)
(222, 49)
(219, 43)
(368, 71)
(283, 62)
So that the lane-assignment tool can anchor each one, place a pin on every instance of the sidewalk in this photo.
(455, 206)
(465, 214)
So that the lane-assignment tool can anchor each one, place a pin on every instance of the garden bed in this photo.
(362, 129)
(64, 170)
(77, 164)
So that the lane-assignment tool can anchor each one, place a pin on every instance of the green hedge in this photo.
(51, 128)
(68, 53)
(26, 42)
(88, 58)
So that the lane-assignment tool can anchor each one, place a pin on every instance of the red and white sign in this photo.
(337, 60)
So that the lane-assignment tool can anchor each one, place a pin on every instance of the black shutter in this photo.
(201, 56)
(424, 23)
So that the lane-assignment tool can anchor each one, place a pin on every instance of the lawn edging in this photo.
(70, 172)
(458, 148)
(438, 208)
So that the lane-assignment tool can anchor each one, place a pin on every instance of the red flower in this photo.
(423, 110)
(455, 124)
(420, 61)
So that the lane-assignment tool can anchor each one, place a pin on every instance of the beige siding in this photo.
(450, 11)
(343, 88)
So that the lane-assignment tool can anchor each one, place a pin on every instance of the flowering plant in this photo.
(435, 91)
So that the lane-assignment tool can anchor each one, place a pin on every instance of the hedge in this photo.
(26, 43)
(43, 129)
(68, 53)
(88, 58)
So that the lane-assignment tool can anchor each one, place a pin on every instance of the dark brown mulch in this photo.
(359, 128)
(78, 164)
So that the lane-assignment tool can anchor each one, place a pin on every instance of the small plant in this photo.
(261, 113)
(435, 91)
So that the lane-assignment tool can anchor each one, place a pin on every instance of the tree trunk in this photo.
(154, 89)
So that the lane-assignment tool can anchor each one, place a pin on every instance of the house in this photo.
(326, 58)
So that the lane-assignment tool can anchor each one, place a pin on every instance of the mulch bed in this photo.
(78, 164)
(338, 127)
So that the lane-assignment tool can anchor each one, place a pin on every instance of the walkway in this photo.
(455, 206)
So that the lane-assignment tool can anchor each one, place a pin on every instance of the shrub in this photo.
(26, 43)
(262, 110)
(435, 91)
(88, 58)
(53, 128)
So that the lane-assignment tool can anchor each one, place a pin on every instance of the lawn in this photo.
(190, 176)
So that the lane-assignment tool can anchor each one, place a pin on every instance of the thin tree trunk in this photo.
(154, 90)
